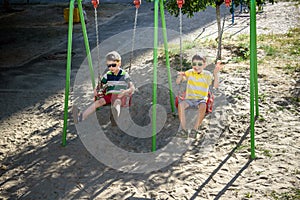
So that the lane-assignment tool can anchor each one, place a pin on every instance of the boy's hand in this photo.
(123, 93)
(218, 67)
(180, 77)
(181, 73)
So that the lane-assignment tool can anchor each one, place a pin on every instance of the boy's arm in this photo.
(103, 80)
(100, 85)
(218, 67)
(216, 80)
(128, 91)
(181, 76)
(131, 88)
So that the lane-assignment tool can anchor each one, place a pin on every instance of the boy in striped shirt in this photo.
(118, 86)
(198, 82)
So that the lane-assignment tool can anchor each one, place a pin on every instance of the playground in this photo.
(34, 164)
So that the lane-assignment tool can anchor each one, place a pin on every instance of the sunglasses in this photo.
(112, 65)
(197, 64)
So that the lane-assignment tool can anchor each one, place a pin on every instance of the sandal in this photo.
(77, 115)
(182, 134)
(196, 134)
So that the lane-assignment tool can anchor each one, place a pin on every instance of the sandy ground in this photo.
(34, 165)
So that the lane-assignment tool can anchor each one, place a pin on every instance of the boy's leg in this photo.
(92, 108)
(117, 105)
(201, 114)
(181, 113)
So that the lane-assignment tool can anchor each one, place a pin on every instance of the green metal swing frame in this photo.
(160, 4)
(69, 61)
(90, 64)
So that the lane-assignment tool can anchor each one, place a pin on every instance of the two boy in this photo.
(120, 85)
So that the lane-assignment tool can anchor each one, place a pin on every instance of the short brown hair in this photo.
(113, 56)
(198, 57)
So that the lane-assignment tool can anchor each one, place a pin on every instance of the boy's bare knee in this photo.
(183, 105)
(117, 102)
(202, 107)
(100, 102)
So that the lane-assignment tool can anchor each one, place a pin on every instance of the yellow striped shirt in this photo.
(197, 84)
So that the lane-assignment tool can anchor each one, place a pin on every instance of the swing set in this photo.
(159, 5)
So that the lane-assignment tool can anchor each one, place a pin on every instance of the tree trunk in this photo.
(218, 13)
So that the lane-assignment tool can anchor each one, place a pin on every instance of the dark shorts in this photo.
(194, 102)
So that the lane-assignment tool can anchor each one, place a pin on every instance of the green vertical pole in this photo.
(164, 28)
(253, 63)
(155, 61)
(68, 73)
(256, 91)
(256, 84)
(86, 42)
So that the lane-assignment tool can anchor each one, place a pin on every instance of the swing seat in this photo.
(209, 102)
(125, 103)
(125, 100)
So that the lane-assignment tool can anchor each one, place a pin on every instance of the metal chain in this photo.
(133, 38)
(98, 50)
(180, 41)
(180, 37)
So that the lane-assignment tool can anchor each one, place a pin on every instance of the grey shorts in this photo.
(194, 102)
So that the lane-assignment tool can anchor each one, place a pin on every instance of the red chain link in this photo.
(137, 3)
(95, 3)
(180, 3)
(227, 3)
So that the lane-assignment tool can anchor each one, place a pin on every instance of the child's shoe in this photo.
(196, 134)
(182, 134)
(77, 115)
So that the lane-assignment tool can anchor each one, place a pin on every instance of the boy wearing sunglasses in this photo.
(198, 82)
(118, 84)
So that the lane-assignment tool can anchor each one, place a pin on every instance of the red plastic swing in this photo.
(125, 100)
(209, 102)
(101, 91)
(181, 97)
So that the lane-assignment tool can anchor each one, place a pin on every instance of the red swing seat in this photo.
(125, 103)
(209, 102)
(125, 100)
